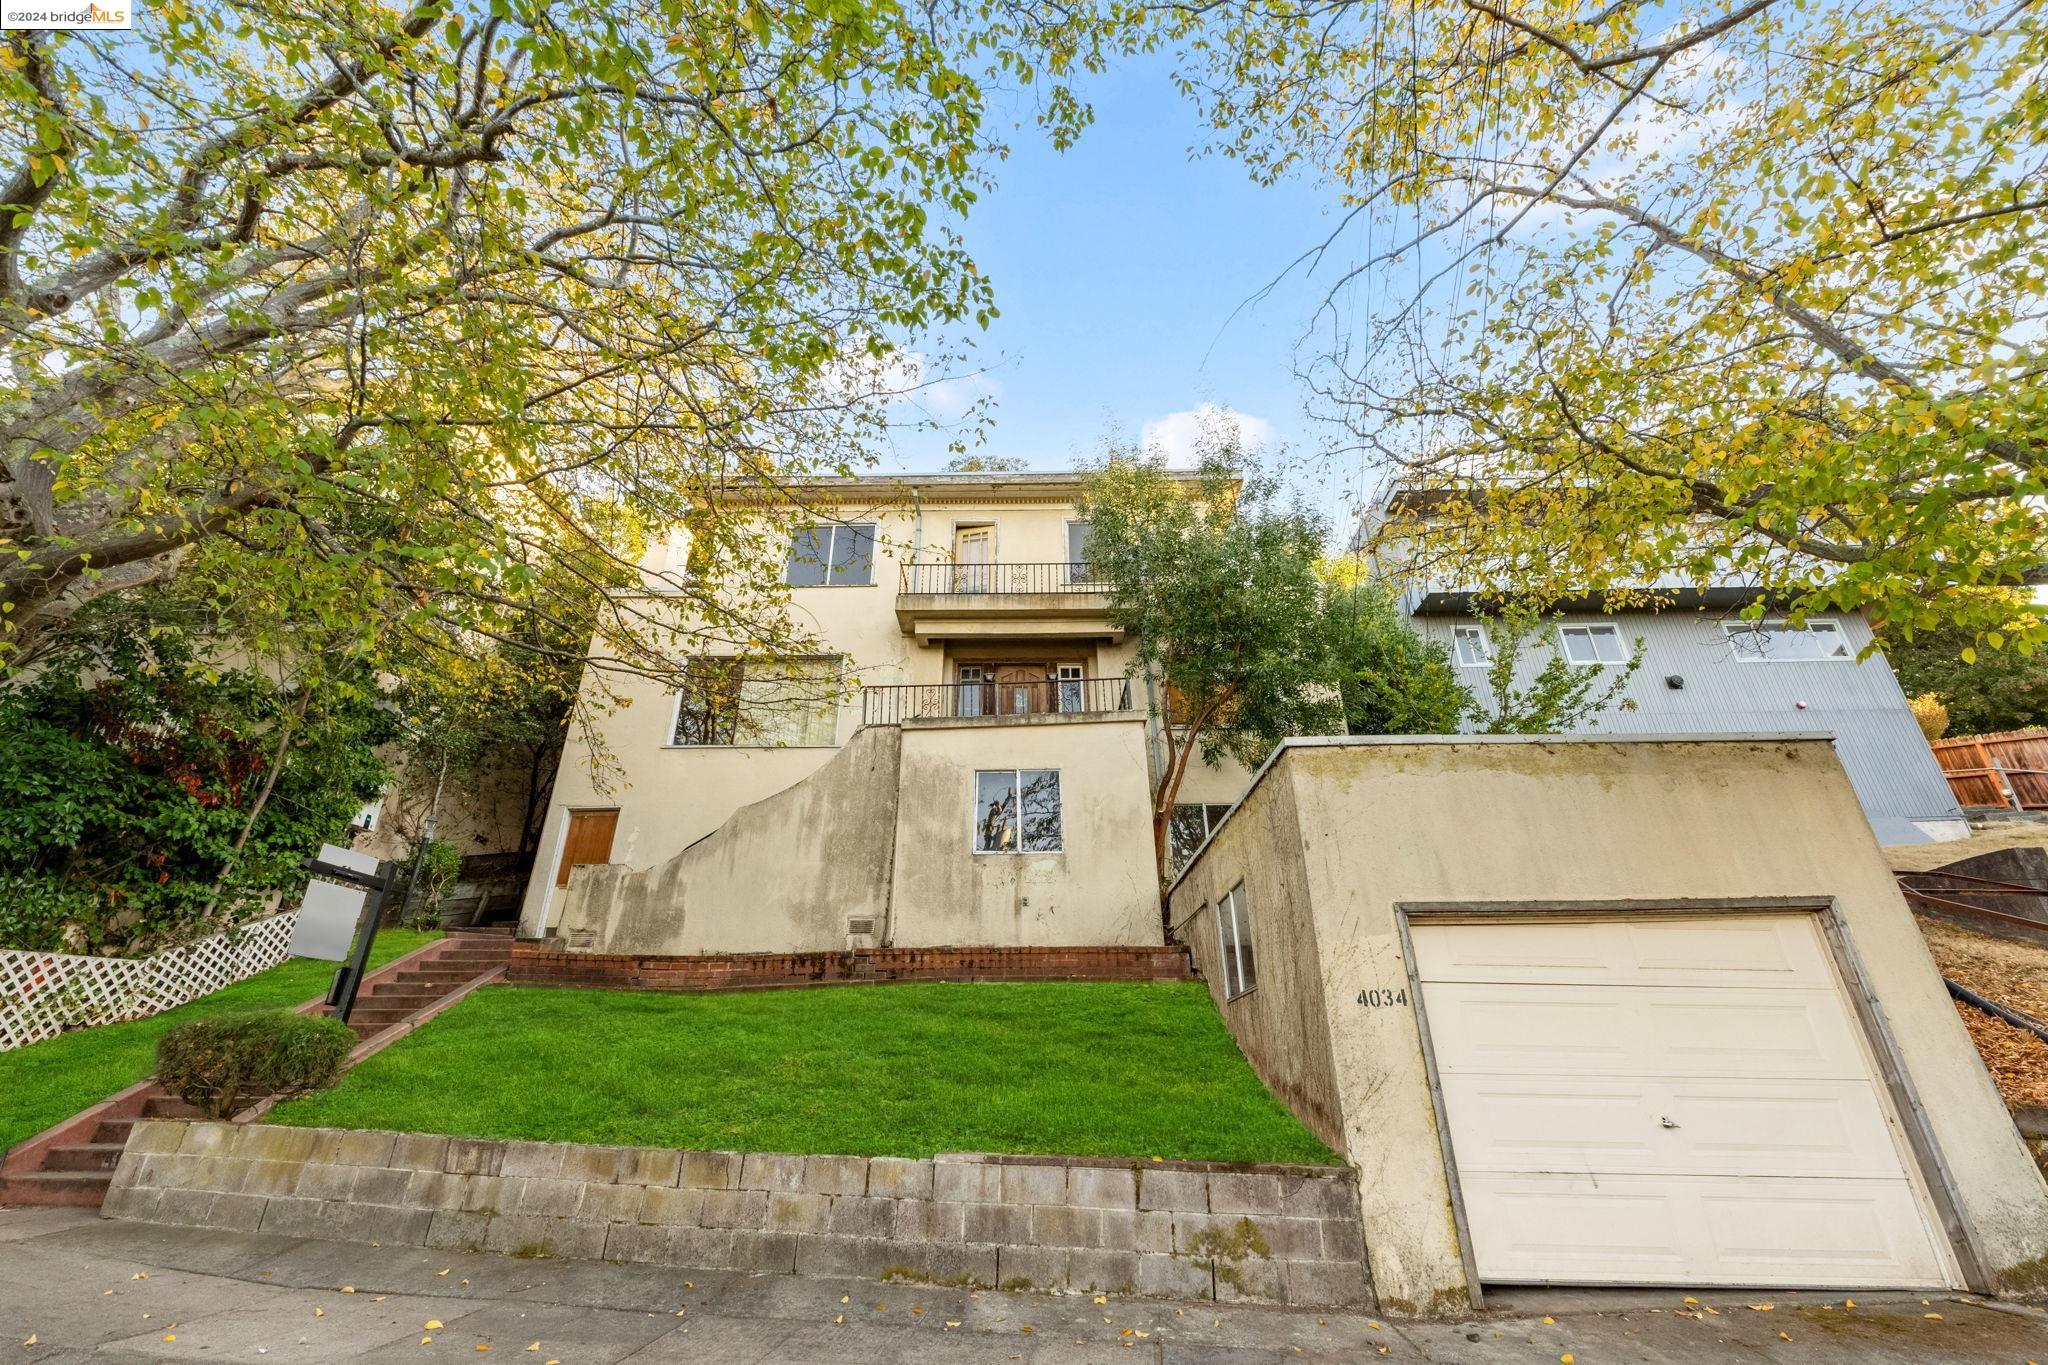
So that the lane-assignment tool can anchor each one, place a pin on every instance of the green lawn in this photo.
(901, 1070)
(45, 1082)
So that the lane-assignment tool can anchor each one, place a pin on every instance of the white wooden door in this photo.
(1684, 1100)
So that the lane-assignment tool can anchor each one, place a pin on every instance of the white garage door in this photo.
(1666, 1101)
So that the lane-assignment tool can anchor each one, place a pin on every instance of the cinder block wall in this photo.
(1263, 1234)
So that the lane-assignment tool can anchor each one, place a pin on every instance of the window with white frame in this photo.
(1072, 696)
(832, 555)
(1017, 810)
(1469, 646)
(1591, 646)
(765, 703)
(1190, 823)
(1234, 943)
(1782, 642)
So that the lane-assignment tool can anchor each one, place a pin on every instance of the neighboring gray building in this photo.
(1708, 670)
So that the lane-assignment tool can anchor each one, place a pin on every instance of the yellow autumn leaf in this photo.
(319, 1312)
(1549, 1321)
(433, 1324)
(534, 1347)
(1932, 1317)
(1784, 1336)
(481, 1347)
(348, 1289)
(1566, 1359)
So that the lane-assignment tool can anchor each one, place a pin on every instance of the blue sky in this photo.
(1123, 268)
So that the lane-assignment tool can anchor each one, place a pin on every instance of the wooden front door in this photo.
(1021, 689)
(589, 841)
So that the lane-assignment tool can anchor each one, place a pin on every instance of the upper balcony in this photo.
(966, 601)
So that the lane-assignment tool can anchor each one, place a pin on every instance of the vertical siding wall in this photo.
(1860, 704)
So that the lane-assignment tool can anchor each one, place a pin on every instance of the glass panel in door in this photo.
(974, 558)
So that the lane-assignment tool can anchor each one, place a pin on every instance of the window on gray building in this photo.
(1591, 646)
(1469, 646)
(1780, 642)
(1017, 811)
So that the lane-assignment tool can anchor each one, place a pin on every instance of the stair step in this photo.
(164, 1107)
(112, 1130)
(83, 1156)
(78, 1189)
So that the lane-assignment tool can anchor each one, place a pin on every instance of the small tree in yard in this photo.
(1561, 697)
(1392, 680)
(1219, 587)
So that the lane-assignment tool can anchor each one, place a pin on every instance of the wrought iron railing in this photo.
(1001, 579)
(933, 701)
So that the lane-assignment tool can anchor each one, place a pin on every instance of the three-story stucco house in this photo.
(971, 708)
(1708, 668)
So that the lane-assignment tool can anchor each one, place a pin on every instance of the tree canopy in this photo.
(1752, 289)
(1218, 584)
(382, 308)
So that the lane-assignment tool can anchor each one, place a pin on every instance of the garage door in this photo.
(1666, 1101)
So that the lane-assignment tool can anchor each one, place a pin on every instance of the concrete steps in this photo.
(77, 1167)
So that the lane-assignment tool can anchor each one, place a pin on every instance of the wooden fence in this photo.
(2008, 769)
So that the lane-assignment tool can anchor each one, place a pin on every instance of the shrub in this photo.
(225, 1062)
(1932, 714)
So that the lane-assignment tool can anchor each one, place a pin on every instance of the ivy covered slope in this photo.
(152, 796)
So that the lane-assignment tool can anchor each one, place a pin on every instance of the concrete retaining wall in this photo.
(1265, 1234)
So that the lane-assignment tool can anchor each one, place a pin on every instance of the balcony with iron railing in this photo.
(952, 600)
(986, 698)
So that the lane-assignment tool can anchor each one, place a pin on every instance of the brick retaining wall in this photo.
(1266, 1234)
(545, 964)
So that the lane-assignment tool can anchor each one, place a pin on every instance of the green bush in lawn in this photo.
(225, 1062)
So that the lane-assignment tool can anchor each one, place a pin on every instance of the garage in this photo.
(1680, 1099)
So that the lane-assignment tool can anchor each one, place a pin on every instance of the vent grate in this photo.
(860, 926)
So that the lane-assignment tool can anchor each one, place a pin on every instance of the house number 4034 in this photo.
(1376, 998)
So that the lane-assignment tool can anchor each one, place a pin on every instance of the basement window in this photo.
(832, 556)
(1017, 811)
(1234, 941)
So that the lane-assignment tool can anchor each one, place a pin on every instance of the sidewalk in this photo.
(87, 1290)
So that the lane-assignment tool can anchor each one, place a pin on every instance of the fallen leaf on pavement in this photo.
(1932, 1317)
(433, 1324)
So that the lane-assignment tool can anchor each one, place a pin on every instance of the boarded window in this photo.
(1017, 811)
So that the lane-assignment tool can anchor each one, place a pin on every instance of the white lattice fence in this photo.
(45, 994)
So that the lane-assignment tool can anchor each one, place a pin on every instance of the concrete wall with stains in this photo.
(1281, 1025)
(1101, 888)
(1506, 821)
(783, 874)
(884, 833)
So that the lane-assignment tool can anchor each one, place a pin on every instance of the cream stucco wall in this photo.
(1500, 822)
(1099, 889)
(883, 833)
(618, 754)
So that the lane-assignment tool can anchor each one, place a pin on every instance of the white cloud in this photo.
(953, 398)
(1183, 436)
